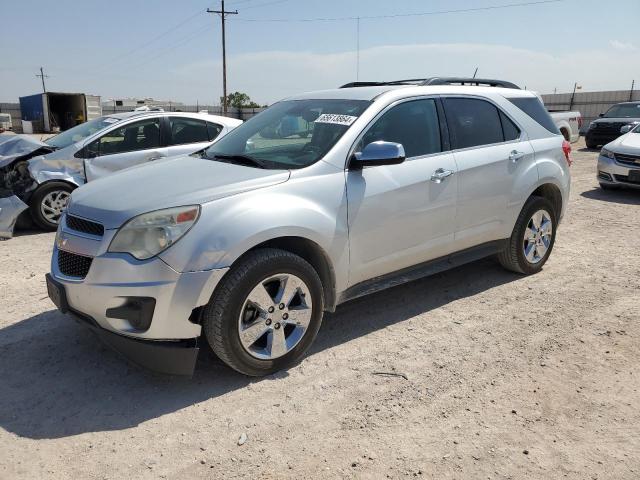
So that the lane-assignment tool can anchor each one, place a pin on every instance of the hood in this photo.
(629, 144)
(20, 147)
(184, 180)
(623, 120)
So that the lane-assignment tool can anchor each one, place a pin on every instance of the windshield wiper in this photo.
(241, 159)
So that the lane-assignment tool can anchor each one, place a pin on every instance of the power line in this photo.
(400, 15)
(119, 58)
(264, 4)
(223, 15)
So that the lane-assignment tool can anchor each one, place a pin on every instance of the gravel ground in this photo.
(495, 376)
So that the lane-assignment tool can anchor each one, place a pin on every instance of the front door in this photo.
(124, 147)
(398, 215)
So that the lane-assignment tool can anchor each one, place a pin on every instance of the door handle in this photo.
(515, 155)
(440, 174)
(156, 157)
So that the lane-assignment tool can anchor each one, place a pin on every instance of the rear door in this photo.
(187, 134)
(491, 152)
(132, 144)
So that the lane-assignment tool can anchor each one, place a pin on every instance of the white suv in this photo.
(322, 198)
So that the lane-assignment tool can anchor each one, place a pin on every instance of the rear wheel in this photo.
(532, 238)
(48, 203)
(265, 313)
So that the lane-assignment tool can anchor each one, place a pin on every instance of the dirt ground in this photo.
(498, 377)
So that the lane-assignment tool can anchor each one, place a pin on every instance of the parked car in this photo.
(569, 124)
(619, 162)
(253, 244)
(5, 122)
(43, 174)
(610, 125)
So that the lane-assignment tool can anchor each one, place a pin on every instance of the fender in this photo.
(70, 170)
(231, 226)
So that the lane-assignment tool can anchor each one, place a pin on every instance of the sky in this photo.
(171, 50)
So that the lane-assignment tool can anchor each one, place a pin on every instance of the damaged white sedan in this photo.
(42, 175)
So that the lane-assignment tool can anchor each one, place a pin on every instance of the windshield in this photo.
(624, 110)
(290, 134)
(80, 132)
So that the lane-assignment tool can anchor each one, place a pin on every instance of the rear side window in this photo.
(414, 124)
(510, 130)
(214, 130)
(187, 130)
(473, 122)
(533, 107)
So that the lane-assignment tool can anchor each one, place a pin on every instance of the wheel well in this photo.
(565, 134)
(315, 255)
(553, 194)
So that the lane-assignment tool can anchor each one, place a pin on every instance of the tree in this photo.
(239, 100)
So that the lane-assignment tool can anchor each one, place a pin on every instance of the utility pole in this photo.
(633, 84)
(223, 14)
(475, 73)
(42, 77)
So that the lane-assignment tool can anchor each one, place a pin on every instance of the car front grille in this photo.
(625, 178)
(604, 127)
(85, 226)
(628, 159)
(73, 265)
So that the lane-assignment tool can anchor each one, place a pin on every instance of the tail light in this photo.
(566, 149)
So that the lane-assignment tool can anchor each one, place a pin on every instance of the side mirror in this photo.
(626, 128)
(378, 153)
(601, 115)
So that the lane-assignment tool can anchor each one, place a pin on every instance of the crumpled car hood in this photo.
(15, 147)
(184, 180)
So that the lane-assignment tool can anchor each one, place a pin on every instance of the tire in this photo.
(513, 257)
(48, 202)
(591, 145)
(230, 310)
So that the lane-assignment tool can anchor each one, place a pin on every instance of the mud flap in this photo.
(10, 208)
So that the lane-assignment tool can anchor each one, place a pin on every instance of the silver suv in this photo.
(322, 198)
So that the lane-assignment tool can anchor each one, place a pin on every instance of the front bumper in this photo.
(172, 358)
(600, 138)
(103, 298)
(10, 209)
(611, 172)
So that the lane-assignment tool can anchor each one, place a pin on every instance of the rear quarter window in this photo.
(533, 107)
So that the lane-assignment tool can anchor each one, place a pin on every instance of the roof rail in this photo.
(438, 81)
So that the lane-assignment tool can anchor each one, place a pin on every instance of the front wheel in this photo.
(532, 238)
(48, 203)
(265, 313)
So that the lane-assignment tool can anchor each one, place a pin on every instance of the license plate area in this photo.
(634, 176)
(57, 294)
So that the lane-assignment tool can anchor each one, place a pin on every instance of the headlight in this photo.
(592, 125)
(607, 153)
(149, 234)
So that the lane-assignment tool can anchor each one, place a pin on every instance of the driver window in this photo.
(414, 124)
(140, 135)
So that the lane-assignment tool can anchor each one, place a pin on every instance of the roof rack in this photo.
(438, 81)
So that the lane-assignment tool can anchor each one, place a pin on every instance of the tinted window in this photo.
(414, 124)
(140, 135)
(187, 130)
(509, 129)
(533, 107)
(473, 122)
(214, 130)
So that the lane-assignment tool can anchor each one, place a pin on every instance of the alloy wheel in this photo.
(537, 236)
(53, 204)
(275, 316)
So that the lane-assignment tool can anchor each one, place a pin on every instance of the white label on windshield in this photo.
(336, 119)
(110, 120)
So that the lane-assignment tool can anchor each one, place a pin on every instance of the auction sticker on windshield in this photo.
(336, 119)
